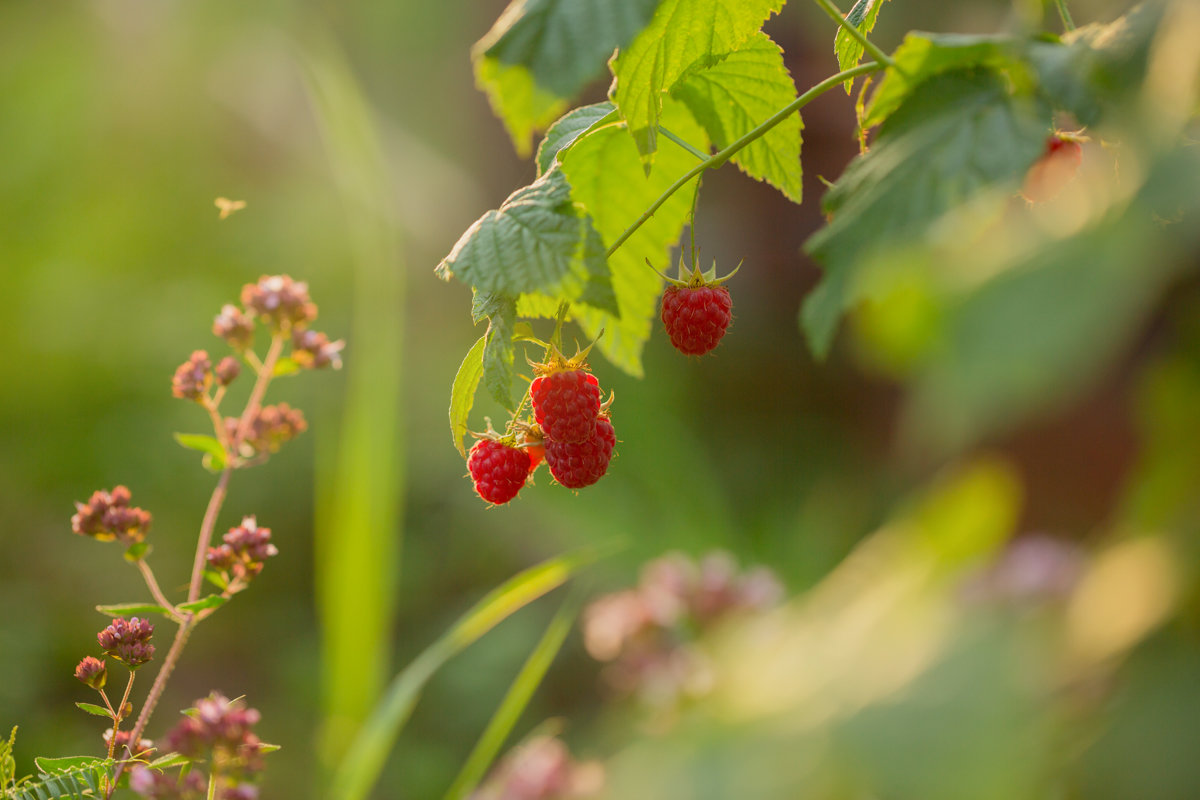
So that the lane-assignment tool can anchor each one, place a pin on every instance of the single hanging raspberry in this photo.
(579, 464)
(1056, 167)
(565, 399)
(696, 311)
(498, 470)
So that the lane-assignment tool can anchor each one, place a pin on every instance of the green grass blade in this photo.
(360, 468)
(364, 759)
(514, 702)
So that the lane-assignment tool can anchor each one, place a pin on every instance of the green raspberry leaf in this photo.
(683, 36)
(955, 135)
(568, 128)
(538, 241)
(541, 53)
(498, 352)
(734, 96)
(862, 16)
(1091, 70)
(604, 170)
(462, 395)
(923, 56)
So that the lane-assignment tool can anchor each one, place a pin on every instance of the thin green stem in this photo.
(696, 151)
(868, 45)
(719, 158)
(152, 584)
(1067, 22)
(692, 221)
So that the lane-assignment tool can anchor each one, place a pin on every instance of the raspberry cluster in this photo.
(571, 430)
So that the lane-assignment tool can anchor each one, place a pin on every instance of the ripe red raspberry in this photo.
(1055, 168)
(579, 464)
(498, 470)
(696, 317)
(565, 404)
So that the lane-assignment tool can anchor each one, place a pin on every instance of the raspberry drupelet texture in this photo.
(497, 470)
(565, 405)
(579, 464)
(696, 318)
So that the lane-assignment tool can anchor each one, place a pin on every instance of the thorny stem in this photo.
(1067, 22)
(159, 597)
(868, 45)
(719, 158)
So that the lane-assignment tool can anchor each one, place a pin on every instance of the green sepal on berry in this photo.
(692, 277)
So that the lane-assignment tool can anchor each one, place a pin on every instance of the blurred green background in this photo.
(356, 137)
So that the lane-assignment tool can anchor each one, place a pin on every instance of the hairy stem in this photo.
(206, 529)
(1068, 23)
(868, 45)
(159, 597)
(719, 158)
(117, 714)
(265, 373)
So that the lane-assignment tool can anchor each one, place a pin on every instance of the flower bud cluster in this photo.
(192, 377)
(541, 768)
(107, 516)
(271, 428)
(313, 350)
(92, 672)
(220, 730)
(645, 631)
(234, 327)
(128, 641)
(151, 783)
(280, 302)
(243, 554)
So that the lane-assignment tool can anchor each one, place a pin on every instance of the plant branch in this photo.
(206, 529)
(265, 373)
(159, 597)
(719, 158)
(112, 743)
(156, 690)
(868, 45)
(1067, 22)
(696, 151)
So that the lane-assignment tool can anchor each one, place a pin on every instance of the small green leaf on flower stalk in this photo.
(92, 708)
(286, 366)
(132, 610)
(203, 604)
(216, 579)
(462, 395)
(137, 552)
(264, 747)
(215, 458)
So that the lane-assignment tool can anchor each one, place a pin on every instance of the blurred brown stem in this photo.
(159, 597)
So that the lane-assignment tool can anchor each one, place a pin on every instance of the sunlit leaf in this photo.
(462, 394)
(212, 449)
(132, 609)
(862, 15)
(92, 708)
(683, 36)
(203, 604)
(540, 53)
(734, 96)
(567, 129)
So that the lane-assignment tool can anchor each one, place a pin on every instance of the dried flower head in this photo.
(92, 672)
(128, 641)
(144, 747)
(280, 302)
(220, 729)
(227, 370)
(541, 768)
(162, 786)
(234, 327)
(107, 516)
(246, 548)
(192, 377)
(645, 632)
(313, 350)
(273, 426)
